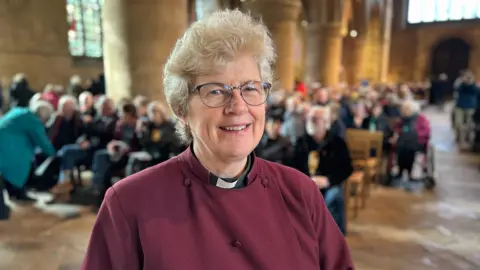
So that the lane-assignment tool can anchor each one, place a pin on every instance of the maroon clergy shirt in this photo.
(169, 217)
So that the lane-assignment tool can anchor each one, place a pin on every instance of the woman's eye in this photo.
(216, 92)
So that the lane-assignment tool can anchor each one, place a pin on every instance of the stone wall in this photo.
(33, 40)
(410, 54)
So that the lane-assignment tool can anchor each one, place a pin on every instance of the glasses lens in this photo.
(255, 93)
(214, 95)
(217, 94)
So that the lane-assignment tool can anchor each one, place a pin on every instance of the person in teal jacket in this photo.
(22, 131)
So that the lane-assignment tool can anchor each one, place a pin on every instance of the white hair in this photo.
(58, 88)
(156, 105)
(19, 77)
(83, 97)
(100, 103)
(42, 109)
(63, 100)
(206, 47)
(411, 106)
(48, 88)
(34, 98)
(311, 128)
(75, 80)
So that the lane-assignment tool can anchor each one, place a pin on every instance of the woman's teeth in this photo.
(236, 128)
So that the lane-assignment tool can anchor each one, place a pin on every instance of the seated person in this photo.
(67, 126)
(355, 116)
(412, 135)
(115, 157)
(333, 165)
(294, 118)
(141, 103)
(157, 138)
(97, 134)
(377, 121)
(337, 127)
(86, 101)
(273, 147)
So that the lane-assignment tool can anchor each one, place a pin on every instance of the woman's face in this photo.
(209, 125)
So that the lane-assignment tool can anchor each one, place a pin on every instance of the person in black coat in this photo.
(334, 164)
(158, 141)
(274, 147)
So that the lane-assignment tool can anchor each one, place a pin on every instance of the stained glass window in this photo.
(85, 28)
(425, 11)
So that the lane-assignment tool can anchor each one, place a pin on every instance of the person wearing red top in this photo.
(217, 206)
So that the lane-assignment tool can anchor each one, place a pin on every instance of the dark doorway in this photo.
(450, 56)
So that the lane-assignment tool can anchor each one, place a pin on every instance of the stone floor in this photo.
(397, 230)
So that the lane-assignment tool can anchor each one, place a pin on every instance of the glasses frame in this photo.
(266, 86)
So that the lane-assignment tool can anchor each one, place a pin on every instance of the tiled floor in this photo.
(397, 230)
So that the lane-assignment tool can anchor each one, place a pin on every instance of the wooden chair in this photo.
(359, 149)
(372, 166)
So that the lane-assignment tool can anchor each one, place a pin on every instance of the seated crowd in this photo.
(87, 131)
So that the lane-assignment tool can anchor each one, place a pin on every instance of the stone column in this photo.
(281, 17)
(138, 37)
(356, 69)
(313, 57)
(330, 53)
(386, 40)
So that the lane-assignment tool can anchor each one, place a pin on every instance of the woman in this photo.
(412, 135)
(21, 132)
(157, 139)
(216, 203)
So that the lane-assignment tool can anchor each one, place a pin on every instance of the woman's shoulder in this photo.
(158, 178)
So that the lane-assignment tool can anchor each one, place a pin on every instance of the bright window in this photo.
(85, 35)
(426, 11)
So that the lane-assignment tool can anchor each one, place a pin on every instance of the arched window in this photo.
(85, 34)
(427, 11)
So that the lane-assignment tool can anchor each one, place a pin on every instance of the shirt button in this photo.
(237, 243)
(187, 182)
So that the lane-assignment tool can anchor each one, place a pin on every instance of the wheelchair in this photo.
(423, 168)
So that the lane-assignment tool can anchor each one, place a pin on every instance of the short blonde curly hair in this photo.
(206, 47)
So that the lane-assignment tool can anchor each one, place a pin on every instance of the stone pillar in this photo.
(313, 57)
(330, 48)
(206, 7)
(281, 17)
(386, 40)
(356, 69)
(138, 37)
(373, 49)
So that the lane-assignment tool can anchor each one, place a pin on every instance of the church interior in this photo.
(386, 54)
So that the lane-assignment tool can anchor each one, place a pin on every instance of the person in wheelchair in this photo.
(157, 138)
(324, 156)
(412, 135)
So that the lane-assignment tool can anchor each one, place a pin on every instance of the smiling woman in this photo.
(217, 203)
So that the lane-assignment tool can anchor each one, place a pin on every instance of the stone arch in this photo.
(452, 44)
(450, 55)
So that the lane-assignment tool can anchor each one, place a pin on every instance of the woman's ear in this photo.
(183, 120)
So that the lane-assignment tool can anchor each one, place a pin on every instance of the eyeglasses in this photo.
(215, 94)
